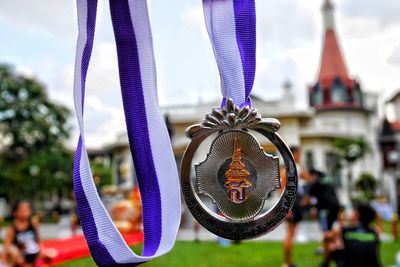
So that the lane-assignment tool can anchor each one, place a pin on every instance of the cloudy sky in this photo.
(38, 38)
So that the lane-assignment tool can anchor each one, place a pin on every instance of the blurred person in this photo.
(21, 244)
(386, 212)
(3, 259)
(74, 218)
(323, 190)
(74, 222)
(1, 224)
(354, 245)
(196, 230)
(296, 213)
(395, 227)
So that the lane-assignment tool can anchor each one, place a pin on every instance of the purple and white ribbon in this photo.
(231, 25)
(148, 138)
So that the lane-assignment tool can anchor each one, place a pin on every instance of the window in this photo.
(338, 92)
(333, 167)
(357, 94)
(316, 95)
(309, 160)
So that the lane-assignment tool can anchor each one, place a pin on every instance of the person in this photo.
(323, 190)
(21, 244)
(3, 260)
(196, 230)
(296, 213)
(357, 244)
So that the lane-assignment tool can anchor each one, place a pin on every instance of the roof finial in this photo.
(287, 85)
(327, 9)
(328, 3)
(332, 63)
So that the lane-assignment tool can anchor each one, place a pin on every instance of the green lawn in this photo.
(209, 254)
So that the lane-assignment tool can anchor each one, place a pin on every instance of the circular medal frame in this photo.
(224, 227)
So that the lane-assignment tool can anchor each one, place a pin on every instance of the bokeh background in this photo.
(328, 70)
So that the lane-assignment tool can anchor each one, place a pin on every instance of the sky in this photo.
(38, 38)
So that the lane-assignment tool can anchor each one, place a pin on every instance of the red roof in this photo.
(332, 63)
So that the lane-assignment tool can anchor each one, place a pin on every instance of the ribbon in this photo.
(148, 139)
(231, 26)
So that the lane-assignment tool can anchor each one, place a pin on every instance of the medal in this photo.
(236, 174)
(226, 176)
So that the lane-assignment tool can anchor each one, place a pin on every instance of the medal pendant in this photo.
(226, 175)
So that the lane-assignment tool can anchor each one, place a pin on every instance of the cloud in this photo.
(53, 18)
(286, 22)
(104, 117)
(385, 13)
(289, 34)
(358, 27)
(103, 70)
(103, 125)
(270, 81)
(394, 57)
(192, 16)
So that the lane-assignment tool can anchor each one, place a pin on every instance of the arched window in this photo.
(338, 92)
(316, 96)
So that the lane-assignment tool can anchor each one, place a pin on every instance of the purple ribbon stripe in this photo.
(149, 141)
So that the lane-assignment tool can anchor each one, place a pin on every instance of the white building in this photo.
(338, 108)
(390, 146)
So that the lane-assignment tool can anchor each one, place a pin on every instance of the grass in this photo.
(246, 254)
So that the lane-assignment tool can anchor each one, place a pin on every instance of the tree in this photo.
(102, 172)
(34, 162)
(367, 185)
(350, 150)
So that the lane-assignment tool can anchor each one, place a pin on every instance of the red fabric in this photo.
(76, 247)
(396, 125)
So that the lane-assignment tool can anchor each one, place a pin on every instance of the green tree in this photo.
(367, 185)
(101, 171)
(350, 150)
(34, 162)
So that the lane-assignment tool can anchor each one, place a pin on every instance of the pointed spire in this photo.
(332, 62)
(334, 87)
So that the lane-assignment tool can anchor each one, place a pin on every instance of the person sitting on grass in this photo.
(21, 244)
(355, 245)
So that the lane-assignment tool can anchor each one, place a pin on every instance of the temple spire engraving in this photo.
(237, 175)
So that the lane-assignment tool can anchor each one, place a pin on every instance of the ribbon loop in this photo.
(148, 138)
(231, 26)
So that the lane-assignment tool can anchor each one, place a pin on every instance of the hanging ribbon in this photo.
(231, 26)
(148, 139)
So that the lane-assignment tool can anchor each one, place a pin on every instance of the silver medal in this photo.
(226, 176)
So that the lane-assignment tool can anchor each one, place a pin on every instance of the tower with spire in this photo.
(334, 88)
(237, 176)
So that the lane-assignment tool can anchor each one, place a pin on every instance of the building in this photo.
(338, 107)
(389, 141)
(342, 109)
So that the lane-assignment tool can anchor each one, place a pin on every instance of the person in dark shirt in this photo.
(355, 245)
(22, 239)
(322, 188)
